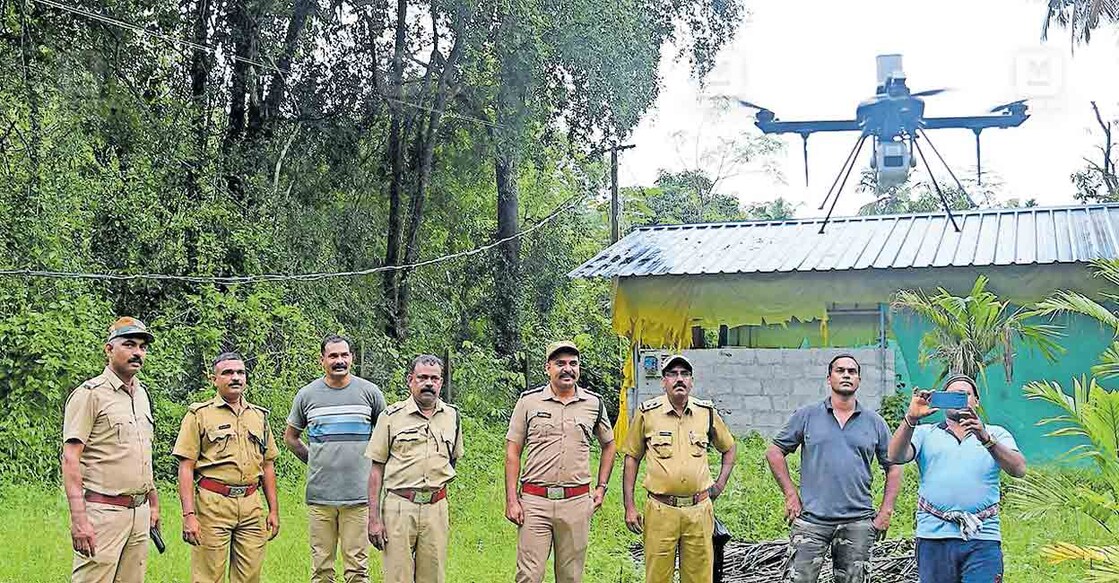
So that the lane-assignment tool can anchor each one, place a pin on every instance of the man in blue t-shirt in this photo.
(958, 536)
(338, 412)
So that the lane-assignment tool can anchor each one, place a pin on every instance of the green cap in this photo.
(129, 326)
(561, 346)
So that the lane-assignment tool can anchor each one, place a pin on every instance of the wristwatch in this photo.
(604, 487)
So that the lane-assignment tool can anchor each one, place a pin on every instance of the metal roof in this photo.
(987, 237)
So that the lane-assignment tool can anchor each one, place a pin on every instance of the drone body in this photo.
(895, 119)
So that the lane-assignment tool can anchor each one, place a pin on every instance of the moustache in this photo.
(679, 386)
(136, 359)
(427, 389)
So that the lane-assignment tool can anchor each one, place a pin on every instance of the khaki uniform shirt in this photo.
(116, 429)
(417, 451)
(557, 436)
(226, 446)
(678, 463)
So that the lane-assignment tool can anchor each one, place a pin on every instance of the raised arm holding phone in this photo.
(958, 532)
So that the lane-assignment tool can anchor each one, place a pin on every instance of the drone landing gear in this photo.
(939, 192)
(844, 173)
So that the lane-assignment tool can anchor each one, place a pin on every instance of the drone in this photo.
(895, 120)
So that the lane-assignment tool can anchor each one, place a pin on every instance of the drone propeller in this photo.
(929, 92)
(1008, 106)
(745, 103)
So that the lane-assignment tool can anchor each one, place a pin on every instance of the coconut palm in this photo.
(1092, 414)
(1080, 17)
(1075, 303)
(975, 331)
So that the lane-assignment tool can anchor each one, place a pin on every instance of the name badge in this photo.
(665, 433)
(226, 426)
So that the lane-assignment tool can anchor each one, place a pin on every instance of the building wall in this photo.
(758, 389)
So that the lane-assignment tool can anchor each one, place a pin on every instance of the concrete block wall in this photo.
(758, 389)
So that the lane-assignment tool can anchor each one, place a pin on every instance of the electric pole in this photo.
(615, 203)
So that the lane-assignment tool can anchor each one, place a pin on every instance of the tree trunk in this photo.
(200, 65)
(395, 323)
(426, 155)
(507, 281)
(277, 87)
(242, 32)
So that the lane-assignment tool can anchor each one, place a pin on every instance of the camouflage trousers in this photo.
(850, 551)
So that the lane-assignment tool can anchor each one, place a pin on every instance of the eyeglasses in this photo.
(678, 373)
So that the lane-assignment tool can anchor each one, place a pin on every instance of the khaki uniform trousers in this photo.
(234, 532)
(689, 528)
(121, 545)
(567, 523)
(416, 540)
(339, 526)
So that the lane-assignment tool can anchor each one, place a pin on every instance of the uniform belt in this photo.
(125, 500)
(680, 501)
(227, 490)
(419, 496)
(555, 492)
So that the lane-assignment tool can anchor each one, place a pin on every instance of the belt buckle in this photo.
(423, 497)
(679, 501)
(556, 493)
(138, 499)
(238, 491)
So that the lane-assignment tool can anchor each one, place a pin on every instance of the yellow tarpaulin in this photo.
(660, 311)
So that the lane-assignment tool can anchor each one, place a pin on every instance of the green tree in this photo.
(1098, 181)
(772, 210)
(974, 331)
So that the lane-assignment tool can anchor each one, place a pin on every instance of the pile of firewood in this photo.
(892, 561)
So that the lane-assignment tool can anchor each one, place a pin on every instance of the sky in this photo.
(813, 59)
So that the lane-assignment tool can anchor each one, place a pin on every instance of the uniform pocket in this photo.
(258, 439)
(585, 428)
(220, 438)
(124, 426)
(661, 444)
(698, 444)
(540, 424)
(407, 442)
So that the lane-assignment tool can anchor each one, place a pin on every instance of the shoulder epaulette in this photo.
(704, 403)
(531, 391)
(651, 404)
(393, 408)
(593, 394)
(446, 404)
(259, 408)
(90, 384)
(196, 406)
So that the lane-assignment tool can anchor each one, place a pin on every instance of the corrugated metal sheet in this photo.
(987, 237)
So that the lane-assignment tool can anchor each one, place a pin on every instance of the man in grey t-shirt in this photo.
(840, 438)
(338, 412)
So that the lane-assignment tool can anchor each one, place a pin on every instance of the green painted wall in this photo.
(1084, 339)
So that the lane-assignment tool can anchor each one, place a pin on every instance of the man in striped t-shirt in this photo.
(338, 412)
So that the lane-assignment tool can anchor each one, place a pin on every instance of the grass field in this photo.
(34, 527)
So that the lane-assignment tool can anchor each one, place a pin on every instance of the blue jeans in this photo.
(954, 560)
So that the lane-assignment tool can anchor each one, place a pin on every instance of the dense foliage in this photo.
(303, 136)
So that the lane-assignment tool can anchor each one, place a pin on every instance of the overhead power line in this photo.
(285, 277)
